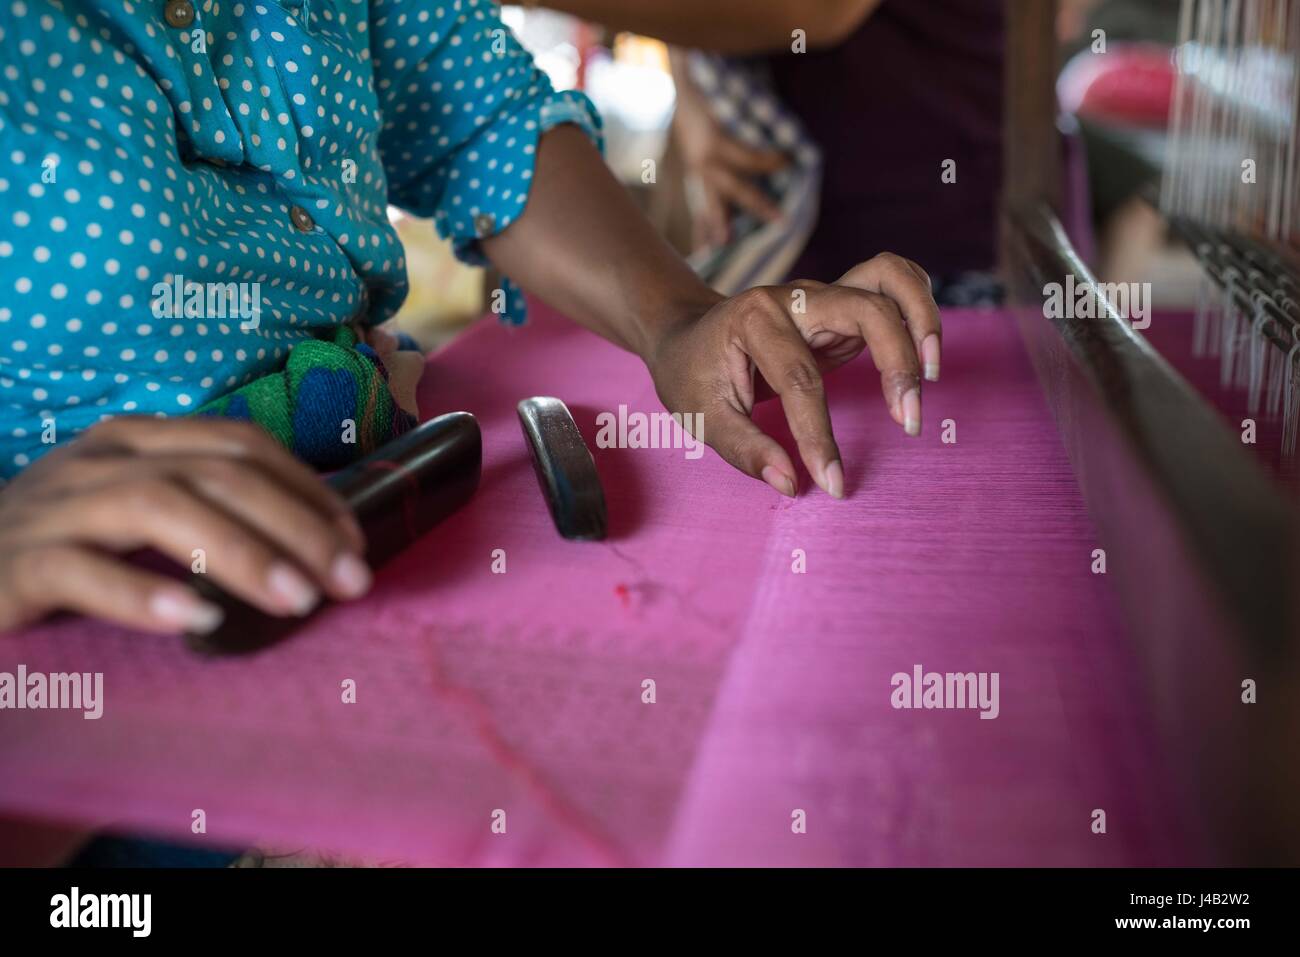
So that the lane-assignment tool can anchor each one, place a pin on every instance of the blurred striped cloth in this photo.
(741, 98)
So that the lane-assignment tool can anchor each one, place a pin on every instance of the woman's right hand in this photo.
(266, 528)
(724, 170)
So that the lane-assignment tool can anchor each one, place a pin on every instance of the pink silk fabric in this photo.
(522, 692)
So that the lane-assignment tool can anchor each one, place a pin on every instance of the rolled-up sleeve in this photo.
(463, 107)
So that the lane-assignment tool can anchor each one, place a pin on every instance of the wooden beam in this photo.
(1031, 142)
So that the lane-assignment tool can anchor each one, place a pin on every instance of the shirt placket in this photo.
(209, 127)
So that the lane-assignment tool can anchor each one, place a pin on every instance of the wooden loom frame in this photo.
(1203, 547)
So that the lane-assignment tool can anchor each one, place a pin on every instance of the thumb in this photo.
(741, 443)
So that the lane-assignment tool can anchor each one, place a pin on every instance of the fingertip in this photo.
(779, 480)
(930, 356)
(350, 576)
(178, 608)
(912, 412)
(894, 400)
(826, 472)
(835, 480)
(293, 592)
(897, 386)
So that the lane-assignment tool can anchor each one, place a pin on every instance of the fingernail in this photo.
(181, 608)
(930, 356)
(912, 412)
(296, 594)
(835, 480)
(351, 575)
(774, 477)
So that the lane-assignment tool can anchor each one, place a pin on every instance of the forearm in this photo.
(727, 26)
(584, 247)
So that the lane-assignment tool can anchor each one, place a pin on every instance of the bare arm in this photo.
(582, 245)
(728, 26)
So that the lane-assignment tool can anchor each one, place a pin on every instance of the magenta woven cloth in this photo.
(479, 693)
(1171, 333)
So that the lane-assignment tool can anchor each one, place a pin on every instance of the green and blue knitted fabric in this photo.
(329, 405)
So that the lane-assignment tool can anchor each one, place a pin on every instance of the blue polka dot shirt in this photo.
(190, 187)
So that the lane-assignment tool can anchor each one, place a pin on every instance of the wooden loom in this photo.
(1202, 535)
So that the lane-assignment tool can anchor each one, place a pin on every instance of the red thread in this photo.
(484, 724)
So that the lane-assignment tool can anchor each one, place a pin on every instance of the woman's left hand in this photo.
(778, 340)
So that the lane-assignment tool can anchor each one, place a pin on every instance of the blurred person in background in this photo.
(903, 101)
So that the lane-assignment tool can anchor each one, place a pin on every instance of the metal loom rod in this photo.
(1217, 266)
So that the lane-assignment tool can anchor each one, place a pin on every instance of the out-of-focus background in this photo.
(628, 79)
(1115, 106)
(1119, 106)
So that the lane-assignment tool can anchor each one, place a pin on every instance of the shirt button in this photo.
(301, 219)
(485, 224)
(179, 13)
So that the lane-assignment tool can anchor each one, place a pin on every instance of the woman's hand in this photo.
(724, 171)
(582, 246)
(789, 335)
(270, 531)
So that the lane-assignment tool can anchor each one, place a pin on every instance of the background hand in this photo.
(725, 172)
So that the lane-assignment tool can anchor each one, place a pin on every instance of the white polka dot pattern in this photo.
(135, 153)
